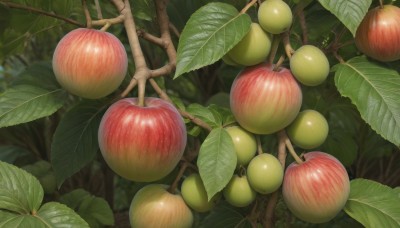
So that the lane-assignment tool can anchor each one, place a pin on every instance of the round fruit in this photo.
(195, 195)
(317, 189)
(245, 144)
(309, 65)
(265, 173)
(253, 48)
(238, 192)
(378, 35)
(264, 100)
(275, 16)
(308, 130)
(142, 144)
(90, 63)
(153, 206)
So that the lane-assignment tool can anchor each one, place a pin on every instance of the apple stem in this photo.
(247, 7)
(87, 14)
(279, 63)
(290, 148)
(259, 146)
(178, 177)
(275, 45)
(381, 3)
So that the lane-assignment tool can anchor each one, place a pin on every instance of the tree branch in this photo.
(38, 11)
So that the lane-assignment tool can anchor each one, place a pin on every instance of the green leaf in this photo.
(375, 90)
(75, 141)
(208, 35)
(143, 9)
(11, 153)
(58, 215)
(94, 210)
(216, 161)
(8, 219)
(38, 74)
(20, 192)
(224, 215)
(24, 103)
(342, 145)
(373, 204)
(204, 114)
(349, 12)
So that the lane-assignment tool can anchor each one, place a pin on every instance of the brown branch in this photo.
(149, 37)
(111, 21)
(174, 30)
(302, 21)
(38, 11)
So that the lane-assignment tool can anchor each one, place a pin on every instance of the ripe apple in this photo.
(244, 142)
(265, 173)
(317, 189)
(153, 206)
(309, 129)
(90, 63)
(378, 35)
(264, 100)
(309, 65)
(142, 144)
(275, 16)
(195, 195)
(238, 191)
(253, 48)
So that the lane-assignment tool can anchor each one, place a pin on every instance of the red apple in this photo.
(264, 100)
(142, 144)
(153, 206)
(378, 35)
(317, 189)
(90, 63)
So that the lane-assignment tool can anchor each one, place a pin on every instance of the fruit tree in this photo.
(200, 113)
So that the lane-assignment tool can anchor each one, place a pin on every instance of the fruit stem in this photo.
(381, 3)
(178, 177)
(259, 146)
(279, 63)
(288, 47)
(247, 7)
(275, 44)
(290, 148)
(98, 9)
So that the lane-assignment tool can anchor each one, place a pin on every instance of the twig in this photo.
(247, 7)
(174, 185)
(286, 42)
(87, 14)
(302, 20)
(38, 11)
(98, 9)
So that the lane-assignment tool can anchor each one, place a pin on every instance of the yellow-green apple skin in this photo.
(265, 173)
(309, 65)
(238, 191)
(195, 195)
(275, 16)
(253, 48)
(245, 144)
(309, 130)
(154, 207)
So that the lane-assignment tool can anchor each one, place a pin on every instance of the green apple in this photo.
(309, 65)
(309, 129)
(275, 16)
(253, 48)
(195, 195)
(154, 207)
(245, 144)
(238, 192)
(265, 173)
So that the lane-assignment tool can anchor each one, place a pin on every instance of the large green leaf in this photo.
(24, 103)
(58, 215)
(209, 34)
(205, 114)
(75, 139)
(349, 12)
(216, 161)
(10, 153)
(20, 192)
(375, 90)
(373, 204)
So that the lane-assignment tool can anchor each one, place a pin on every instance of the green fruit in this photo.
(195, 195)
(229, 61)
(154, 207)
(253, 48)
(238, 192)
(265, 173)
(308, 130)
(309, 65)
(245, 144)
(275, 16)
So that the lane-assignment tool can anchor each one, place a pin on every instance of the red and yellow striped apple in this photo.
(264, 100)
(153, 206)
(378, 35)
(142, 144)
(90, 63)
(317, 189)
